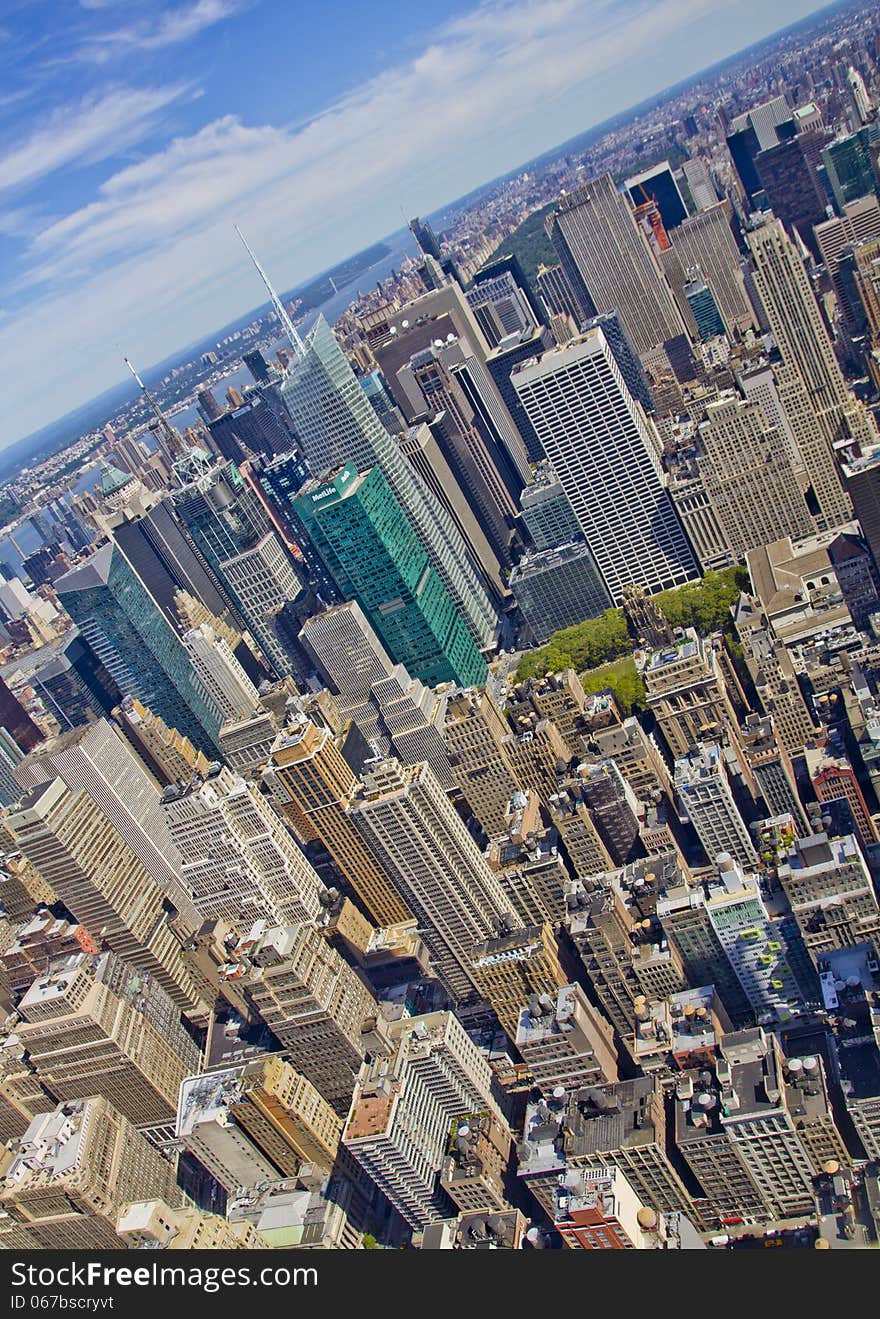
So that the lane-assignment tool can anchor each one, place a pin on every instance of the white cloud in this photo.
(152, 263)
(95, 129)
(168, 29)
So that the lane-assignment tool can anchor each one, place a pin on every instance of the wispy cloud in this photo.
(95, 129)
(151, 260)
(169, 28)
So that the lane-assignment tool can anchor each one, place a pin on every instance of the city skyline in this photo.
(117, 209)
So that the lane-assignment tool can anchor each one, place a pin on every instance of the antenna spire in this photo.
(169, 434)
(287, 324)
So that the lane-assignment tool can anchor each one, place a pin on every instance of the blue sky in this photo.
(134, 133)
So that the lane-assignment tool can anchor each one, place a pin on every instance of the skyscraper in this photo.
(336, 425)
(132, 637)
(70, 1175)
(347, 650)
(658, 184)
(406, 817)
(482, 470)
(315, 786)
(594, 227)
(100, 880)
(748, 474)
(163, 554)
(99, 761)
(239, 862)
(226, 685)
(312, 1001)
(398, 1130)
(371, 551)
(821, 410)
(598, 442)
(702, 784)
(233, 531)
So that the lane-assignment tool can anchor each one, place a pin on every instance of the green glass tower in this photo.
(335, 423)
(849, 167)
(131, 636)
(374, 556)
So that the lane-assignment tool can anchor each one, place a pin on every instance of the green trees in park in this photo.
(704, 605)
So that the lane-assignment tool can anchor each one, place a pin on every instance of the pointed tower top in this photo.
(287, 324)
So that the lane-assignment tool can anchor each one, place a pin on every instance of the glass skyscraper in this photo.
(134, 640)
(373, 554)
(226, 519)
(336, 425)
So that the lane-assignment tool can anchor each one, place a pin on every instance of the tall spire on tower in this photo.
(169, 434)
(287, 324)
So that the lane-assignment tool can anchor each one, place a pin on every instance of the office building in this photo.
(513, 965)
(238, 860)
(348, 652)
(830, 893)
(403, 1108)
(849, 167)
(406, 818)
(153, 1225)
(71, 1174)
(624, 959)
(687, 691)
(134, 640)
(564, 1041)
(227, 687)
(861, 478)
(17, 722)
(336, 425)
(502, 363)
(261, 1110)
(473, 1174)
(752, 132)
(315, 787)
(101, 881)
(228, 522)
(791, 186)
(558, 588)
(703, 309)
(500, 306)
(557, 295)
(703, 787)
(371, 551)
(613, 263)
(313, 1002)
(597, 1209)
(480, 464)
(699, 183)
(547, 514)
(770, 1122)
(757, 384)
(98, 761)
(821, 411)
(771, 768)
(475, 733)
(859, 222)
(426, 238)
(600, 447)
(658, 184)
(628, 363)
(82, 1036)
(747, 471)
(420, 448)
(622, 1125)
(833, 777)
